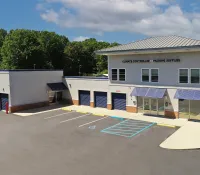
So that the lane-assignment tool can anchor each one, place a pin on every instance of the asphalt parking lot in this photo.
(62, 142)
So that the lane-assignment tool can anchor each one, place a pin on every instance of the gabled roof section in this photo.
(154, 43)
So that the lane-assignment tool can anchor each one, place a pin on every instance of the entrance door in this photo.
(147, 106)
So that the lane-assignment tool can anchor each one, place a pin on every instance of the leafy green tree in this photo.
(52, 46)
(22, 49)
(80, 58)
(3, 34)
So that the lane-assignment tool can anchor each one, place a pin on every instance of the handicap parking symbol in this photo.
(92, 127)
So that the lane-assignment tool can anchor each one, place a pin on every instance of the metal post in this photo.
(189, 109)
(143, 104)
(34, 66)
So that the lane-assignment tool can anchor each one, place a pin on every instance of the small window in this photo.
(114, 74)
(145, 75)
(183, 75)
(122, 75)
(195, 75)
(154, 75)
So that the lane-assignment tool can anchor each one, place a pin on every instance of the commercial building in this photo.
(26, 89)
(157, 76)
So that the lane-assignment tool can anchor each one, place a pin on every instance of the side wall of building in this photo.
(29, 88)
(168, 71)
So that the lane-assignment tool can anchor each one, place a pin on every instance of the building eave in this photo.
(150, 51)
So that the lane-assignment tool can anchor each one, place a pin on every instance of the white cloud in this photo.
(148, 17)
(80, 38)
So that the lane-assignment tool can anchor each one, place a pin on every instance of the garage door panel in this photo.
(4, 100)
(100, 99)
(84, 98)
(119, 101)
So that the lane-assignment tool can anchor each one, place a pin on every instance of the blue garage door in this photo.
(119, 101)
(84, 98)
(4, 100)
(100, 99)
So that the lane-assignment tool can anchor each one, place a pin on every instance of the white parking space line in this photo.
(74, 118)
(93, 122)
(59, 115)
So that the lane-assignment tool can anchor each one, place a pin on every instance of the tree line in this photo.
(29, 49)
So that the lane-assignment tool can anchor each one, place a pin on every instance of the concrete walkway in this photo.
(41, 110)
(124, 114)
(187, 137)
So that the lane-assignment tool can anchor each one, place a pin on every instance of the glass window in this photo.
(183, 75)
(194, 109)
(154, 75)
(114, 74)
(184, 109)
(145, 75)
(122, 75)
(194, 76)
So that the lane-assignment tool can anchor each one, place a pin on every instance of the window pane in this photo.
(121, 71)
(145, 72)
(154, 75)
(194, 75)
(122, 74)
(114, 74)
(145, 75)
(183, 72)
(183, 76)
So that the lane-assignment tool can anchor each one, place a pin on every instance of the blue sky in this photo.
(122, 21)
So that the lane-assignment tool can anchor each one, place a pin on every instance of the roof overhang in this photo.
(150, 51)
(60, 86)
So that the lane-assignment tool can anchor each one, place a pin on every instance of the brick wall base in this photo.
(75, 102)
(92, 104)
(171, 114)
(131, 109)
(28, 106)
(109, 106)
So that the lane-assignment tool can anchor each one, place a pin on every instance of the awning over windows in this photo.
(148, 92)
(57, 86)
(187, 94)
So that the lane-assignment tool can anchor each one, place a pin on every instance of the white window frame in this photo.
(149, 69)
(117, 74)
(151, 76)
(141, 75)
(125, 74)
(191, 75)
(188, 76)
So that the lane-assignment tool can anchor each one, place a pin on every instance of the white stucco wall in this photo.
(4, 82)
(29, 87)
(76, 84)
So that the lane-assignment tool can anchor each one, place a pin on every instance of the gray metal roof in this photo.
(159, 42)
